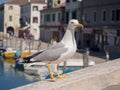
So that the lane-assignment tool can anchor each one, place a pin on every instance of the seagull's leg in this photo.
(51, 73)
(58, 72)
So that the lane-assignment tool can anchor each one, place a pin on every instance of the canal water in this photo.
(11, 77)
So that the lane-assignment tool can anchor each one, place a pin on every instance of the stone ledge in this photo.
(96, 77)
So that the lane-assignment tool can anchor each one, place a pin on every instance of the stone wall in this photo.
(96, 77)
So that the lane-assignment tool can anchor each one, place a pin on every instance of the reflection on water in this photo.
(12, 77)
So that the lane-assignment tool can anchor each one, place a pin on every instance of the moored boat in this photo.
(9, 53)
(12, 54)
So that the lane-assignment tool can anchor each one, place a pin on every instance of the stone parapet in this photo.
(96, 77)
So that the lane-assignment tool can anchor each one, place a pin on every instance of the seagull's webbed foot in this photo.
(53, 79)
(60, 76)
(51, 73)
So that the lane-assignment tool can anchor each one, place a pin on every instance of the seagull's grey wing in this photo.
(50, 54)
(57, 45)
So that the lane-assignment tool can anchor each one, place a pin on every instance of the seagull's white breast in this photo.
(68, 54)
(69, 42)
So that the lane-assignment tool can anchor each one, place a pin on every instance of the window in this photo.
(58, 16)
(116, 15)
(21, 21)
(67, 1)
(117, 41)
(49, 3)
(45, 16)
(53, 17)
(10, 18)
(118, 38)
(74, 0)
(94, 16)
(58, 1)
(41, 16)
(35, 19)
(104, 16)
(10, 7)
(48, 18)
(67, 17)
(35, 8)
(113, 15)
(74, 14)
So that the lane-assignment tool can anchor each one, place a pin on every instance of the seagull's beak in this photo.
(80, 25)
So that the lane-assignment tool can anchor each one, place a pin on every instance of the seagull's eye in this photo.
(72, 22)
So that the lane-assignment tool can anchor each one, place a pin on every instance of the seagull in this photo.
(59, 52)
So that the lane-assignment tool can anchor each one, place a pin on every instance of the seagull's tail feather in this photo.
(27, 59)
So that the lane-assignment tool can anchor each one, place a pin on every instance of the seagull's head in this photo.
(73, 23)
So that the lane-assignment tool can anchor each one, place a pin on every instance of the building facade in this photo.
(30, 15)
(15, 14)
(103, 19)
(10, 18)
(52, 21)
(73, 10)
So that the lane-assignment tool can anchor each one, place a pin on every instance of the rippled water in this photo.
(11, 77)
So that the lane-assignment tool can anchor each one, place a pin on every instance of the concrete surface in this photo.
(97, 77)
(113, 87)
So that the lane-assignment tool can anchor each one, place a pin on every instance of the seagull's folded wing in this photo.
(52, 53)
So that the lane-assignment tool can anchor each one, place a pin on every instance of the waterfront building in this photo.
(52, 20)
(73, 10)
(17, 14)
(30, 16)
(103, 20)
(9, 18)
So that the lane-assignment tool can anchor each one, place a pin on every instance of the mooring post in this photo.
(107, 56)
(86, 58)
(65, 65)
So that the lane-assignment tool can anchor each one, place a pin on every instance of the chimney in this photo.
(29, 1)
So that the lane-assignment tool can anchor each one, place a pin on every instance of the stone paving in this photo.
(97, 77)
(113, 87)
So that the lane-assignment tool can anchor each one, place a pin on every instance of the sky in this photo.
(2, 1)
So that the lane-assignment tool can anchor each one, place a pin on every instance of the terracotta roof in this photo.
(25, 1)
